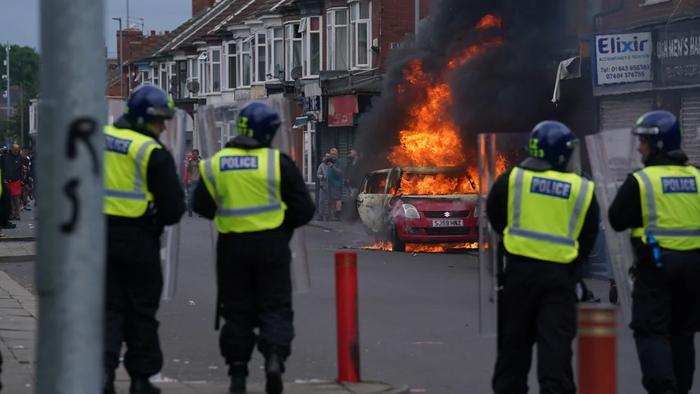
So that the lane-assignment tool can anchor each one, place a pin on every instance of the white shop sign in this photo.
(622, 58)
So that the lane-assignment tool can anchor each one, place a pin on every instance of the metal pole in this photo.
(128, 15)
(121, 56)
(7, 73)
(417, 12)
(20, 108)
(71, 244)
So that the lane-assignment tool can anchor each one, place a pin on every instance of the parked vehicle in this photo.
(405, 204)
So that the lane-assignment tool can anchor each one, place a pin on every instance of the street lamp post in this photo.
(121, 54)
(7, 76)
(71, 247)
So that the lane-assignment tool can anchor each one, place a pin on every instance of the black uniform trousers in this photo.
(255, 291)
(536, 305)
(134, 286)
(665, 317)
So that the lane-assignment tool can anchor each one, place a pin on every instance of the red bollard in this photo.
(347, 323)
(597, 373)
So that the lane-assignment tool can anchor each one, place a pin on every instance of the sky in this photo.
(19, 19)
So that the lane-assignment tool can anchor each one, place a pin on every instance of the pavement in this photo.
(18, 327)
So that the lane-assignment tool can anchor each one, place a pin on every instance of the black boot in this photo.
(141, 385)
(274, 368)
(239, 372)
(108, 384)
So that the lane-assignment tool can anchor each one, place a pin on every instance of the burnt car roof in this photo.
(424, 170)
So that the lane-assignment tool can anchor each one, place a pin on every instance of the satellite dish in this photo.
(296, 72)
(193, 87)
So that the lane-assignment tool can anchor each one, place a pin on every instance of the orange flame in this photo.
(423, 248)
(489, 21)
(432, 138)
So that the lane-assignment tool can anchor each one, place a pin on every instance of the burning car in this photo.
(420, 205)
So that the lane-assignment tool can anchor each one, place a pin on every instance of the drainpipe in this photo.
(417, 13)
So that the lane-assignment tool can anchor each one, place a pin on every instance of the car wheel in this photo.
(397, 244)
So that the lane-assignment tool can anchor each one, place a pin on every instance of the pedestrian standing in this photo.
(256, 197)
(324, 191)
(660, 203)
(12, 178)
(142, 194)
(335, 184)
(353, 178)
(548, 218)
(193, 176)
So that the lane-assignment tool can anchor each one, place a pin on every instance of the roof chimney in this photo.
(200, 5)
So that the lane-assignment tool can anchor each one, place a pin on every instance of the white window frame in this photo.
(260, 47)
(331, 34)
(228, 45)
(204, 72)
(146, 76)
(355, 21)
(164, 69)
(243, 53)
(306, 34)
(273, 60)
(212, 72)
(155, 76)
(290, 31)
(193, 74)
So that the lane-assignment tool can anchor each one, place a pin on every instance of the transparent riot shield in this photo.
(215, 126)
(301, 278)
(496, 154)
(613, 157)
(174, 140)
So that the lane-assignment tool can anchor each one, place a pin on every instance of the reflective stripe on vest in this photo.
(670, 206)
(126, 165)
(546, 211)
(232, 178)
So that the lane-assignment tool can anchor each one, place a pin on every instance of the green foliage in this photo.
(24, 69)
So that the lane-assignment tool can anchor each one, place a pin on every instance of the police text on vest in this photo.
(550, 187)
(680, 184)
(117, 145)
(232, 163)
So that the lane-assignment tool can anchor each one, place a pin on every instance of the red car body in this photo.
(443, 219)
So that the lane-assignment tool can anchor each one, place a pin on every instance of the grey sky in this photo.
(19, 19)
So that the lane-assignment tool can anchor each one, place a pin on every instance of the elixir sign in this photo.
(623, 58)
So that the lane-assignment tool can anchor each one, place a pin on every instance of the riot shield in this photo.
(612, 156)
(301, 278)
(215, 125)
(174, 140)
(496, 154)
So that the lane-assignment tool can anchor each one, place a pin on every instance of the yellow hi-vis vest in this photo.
(126, 165)
(546, 211)
(670, 206)
(245, 184)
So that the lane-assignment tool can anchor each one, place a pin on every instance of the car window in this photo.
(376, 183)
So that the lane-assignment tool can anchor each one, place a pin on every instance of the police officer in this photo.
(142, 194)
(548, 218)
(661, 204)
(257, 197)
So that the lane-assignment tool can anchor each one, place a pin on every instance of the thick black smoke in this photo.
(505, 89)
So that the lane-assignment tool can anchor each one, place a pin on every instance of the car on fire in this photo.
(420, 205)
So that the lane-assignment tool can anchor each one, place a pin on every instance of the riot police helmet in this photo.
(552, 142)
(259, 121)
(661, 129)
(148, 104)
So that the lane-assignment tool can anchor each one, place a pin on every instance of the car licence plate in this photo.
(448, 223)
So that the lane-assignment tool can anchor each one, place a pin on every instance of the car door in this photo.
(372, 200)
